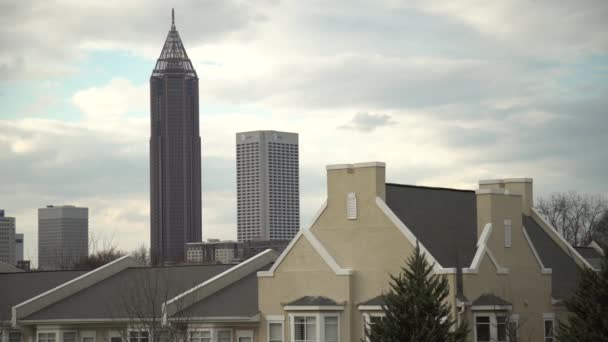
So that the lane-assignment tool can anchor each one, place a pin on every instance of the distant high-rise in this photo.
(18, 247)
(63, 236)
(175, 154)
(268, 188)
(7, 239)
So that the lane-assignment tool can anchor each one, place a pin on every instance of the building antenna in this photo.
(172, 16)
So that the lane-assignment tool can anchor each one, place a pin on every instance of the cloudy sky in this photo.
(445, 93)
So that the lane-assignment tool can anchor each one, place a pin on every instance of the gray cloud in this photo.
(366, 122)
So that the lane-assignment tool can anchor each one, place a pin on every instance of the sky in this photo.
(446, 93)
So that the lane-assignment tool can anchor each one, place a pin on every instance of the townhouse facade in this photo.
(508, 272)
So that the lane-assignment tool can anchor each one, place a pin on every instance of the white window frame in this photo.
(8, 335)
(367, 319)
(546, 318)
(319, 322)
(216, 335)
(56, 332)
(245, 333)
(92, 333)
(190, 331)
(275, 320)
(514, 318)
(138, 331)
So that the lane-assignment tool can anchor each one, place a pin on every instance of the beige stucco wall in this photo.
(372, 246)
(524, 286)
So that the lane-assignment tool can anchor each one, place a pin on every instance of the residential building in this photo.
(63, 236)
(506, 267)
(18, 247)
(126, 301)
(7, 239)
(268, 188)
(213, 251)
(175, 153)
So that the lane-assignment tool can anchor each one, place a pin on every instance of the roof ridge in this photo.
(428, 187)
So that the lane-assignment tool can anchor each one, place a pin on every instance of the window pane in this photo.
(331, 329)
(14, 337)
(275, 332)
(224, 336)
(482, 328)
(88, 339)
(311, 329)
(549, 330)
(69, 336)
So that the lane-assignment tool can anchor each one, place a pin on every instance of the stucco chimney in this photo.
(352, 186)
(515, 186)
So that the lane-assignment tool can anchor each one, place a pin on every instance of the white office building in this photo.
(63, 236)
(268, 186)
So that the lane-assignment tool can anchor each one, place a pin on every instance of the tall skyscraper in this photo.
(63, 236)
(7, 239)
(268, 186)
(175, 153)
(18, 247)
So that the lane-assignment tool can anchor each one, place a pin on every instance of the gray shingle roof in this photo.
(127, 290)
(564, 269)
(239, 299)
(490, 299)
(313, 301)
(18, 287)
(591, 255)
(378, 300)
(444, 220)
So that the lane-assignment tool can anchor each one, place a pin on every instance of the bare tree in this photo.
(141, 254)
(600, 234)
(141, 306)
(575, 216)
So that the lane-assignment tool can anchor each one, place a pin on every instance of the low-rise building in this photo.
(505, 266)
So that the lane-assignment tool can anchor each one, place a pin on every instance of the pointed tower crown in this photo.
(173, 57)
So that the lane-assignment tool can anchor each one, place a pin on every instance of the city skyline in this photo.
(446, 94)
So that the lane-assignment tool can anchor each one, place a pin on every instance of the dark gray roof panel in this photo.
(313, 301)
(122, 294)
(564, 270)
(444, 220)
(16, 288)
(239, 299)
(591, 255)
(588, 252)
(378, 300)
(490, 299)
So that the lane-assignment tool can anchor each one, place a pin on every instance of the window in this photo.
(138, 336)
(69, 336)
(351, 206)
(200, 336)
(14, 336)
(87, 336)
(549, 333)
(305, 329)
(331, 329)
(482, 328)
(369, 319)
(224, 336)
(46, 337)
(508, 233)
(497, 327)
(275, 332)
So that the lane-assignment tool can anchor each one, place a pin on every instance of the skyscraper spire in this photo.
(172, 19)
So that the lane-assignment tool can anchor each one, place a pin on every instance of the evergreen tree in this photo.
(415, 307)
(588, 307)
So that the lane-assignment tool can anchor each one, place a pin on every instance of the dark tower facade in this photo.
(175, 153)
